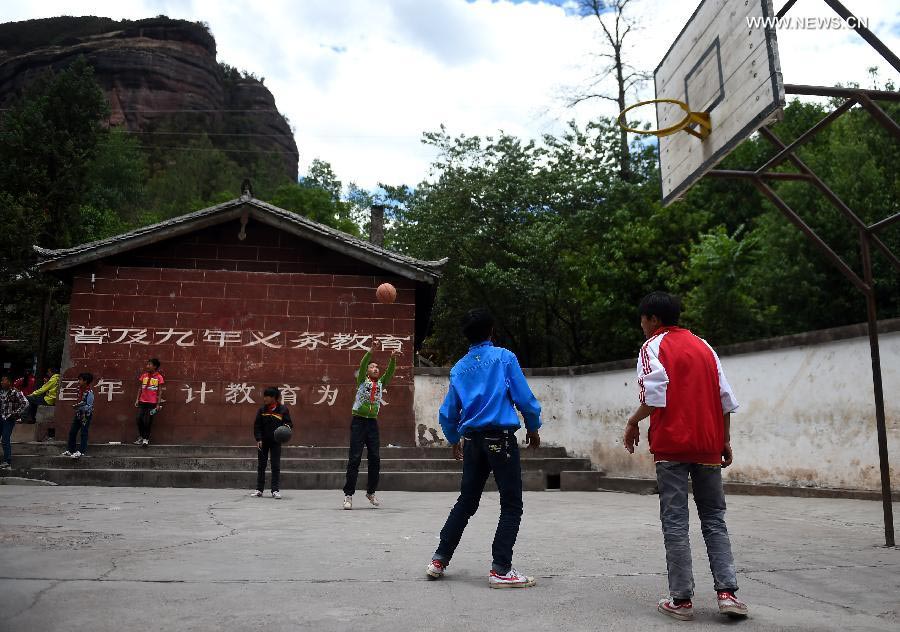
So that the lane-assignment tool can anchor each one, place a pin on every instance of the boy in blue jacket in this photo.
(479, 421)
(84, 412)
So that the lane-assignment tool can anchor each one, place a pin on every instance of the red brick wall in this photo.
(131, 305)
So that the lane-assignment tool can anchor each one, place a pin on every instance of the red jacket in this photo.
(680, 375)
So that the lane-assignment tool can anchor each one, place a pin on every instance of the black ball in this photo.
(283, 434)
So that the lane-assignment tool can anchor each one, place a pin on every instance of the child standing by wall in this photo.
(84, 412)
(270, 416)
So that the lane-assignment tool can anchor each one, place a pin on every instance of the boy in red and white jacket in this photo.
(683, 390)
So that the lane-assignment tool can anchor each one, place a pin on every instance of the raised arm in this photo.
(363, 365)
(389, 372)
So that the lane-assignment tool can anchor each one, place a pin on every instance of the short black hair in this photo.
(663, 305)
(87, 377)
(272, 392)
(477, 325)
(154, 362)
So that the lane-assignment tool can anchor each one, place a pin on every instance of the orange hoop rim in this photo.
(701, 118)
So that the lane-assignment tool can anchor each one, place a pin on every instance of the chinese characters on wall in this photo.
(100, 335)
(231, 392)
(200, 393)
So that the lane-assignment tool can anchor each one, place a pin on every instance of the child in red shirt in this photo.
(683, 389)
(148, 400)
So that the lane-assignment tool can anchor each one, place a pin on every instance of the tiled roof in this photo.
(417, 269)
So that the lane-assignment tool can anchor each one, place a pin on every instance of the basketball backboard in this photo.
(725, 65)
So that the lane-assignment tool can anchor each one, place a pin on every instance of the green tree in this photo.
(50, 137)
(321, 175)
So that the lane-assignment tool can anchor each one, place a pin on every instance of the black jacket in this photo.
(267, 420)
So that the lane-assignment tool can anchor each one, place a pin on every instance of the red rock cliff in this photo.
(159, 75)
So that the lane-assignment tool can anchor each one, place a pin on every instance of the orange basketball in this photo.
(386, 293)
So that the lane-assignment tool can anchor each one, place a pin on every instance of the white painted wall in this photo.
(807, 415)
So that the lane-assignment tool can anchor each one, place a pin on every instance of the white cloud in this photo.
(362, 79)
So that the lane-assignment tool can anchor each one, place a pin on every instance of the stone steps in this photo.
(249, 451)
(218, 467)
(551, 465)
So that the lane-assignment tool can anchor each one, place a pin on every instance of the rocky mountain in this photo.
(162, 80)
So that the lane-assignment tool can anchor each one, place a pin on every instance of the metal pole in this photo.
(847, 93)
(886, 499)
(865, 33)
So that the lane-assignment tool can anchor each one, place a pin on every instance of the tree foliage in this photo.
(550, 238)
(67, 178)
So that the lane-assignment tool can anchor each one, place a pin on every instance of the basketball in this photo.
(283, 434)
(386, 293)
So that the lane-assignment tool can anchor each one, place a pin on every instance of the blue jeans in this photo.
(7, 425)
(484, 452)
(672, 480)
(80, 423)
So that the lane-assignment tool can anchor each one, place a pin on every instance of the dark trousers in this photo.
(33, 402)
(363, 432)
(7, 425)
(485, 452)
(81, 424)
(269, 445)
(144, 419)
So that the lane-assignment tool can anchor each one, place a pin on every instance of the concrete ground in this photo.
(135, 559)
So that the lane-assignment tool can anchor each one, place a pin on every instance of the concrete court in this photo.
(138, 559)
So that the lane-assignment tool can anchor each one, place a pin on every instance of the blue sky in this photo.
(362, 79)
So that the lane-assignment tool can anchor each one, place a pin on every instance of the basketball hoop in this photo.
(700, 119)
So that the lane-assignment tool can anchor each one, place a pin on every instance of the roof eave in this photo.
(421, 271)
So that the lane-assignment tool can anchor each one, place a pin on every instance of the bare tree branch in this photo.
(615, 29)
(587, 97)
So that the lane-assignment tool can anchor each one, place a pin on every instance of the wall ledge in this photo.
(808, 338)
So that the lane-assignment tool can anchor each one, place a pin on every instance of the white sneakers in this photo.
(731, 605)
(145, 442)
(256, 493)
(348, 501)
(77, 455)
(513, 579)
(683, 611)
(66, 453)
(139, 441)
(728, 604)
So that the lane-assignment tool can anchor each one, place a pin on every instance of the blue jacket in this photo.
(484, 386)
(85, 405)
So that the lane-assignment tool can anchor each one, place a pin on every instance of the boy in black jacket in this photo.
(268, 418)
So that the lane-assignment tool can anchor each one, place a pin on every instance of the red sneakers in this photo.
(435, 570)
(684, 611)
(731, 605)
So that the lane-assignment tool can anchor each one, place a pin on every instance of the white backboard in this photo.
(723, 65)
